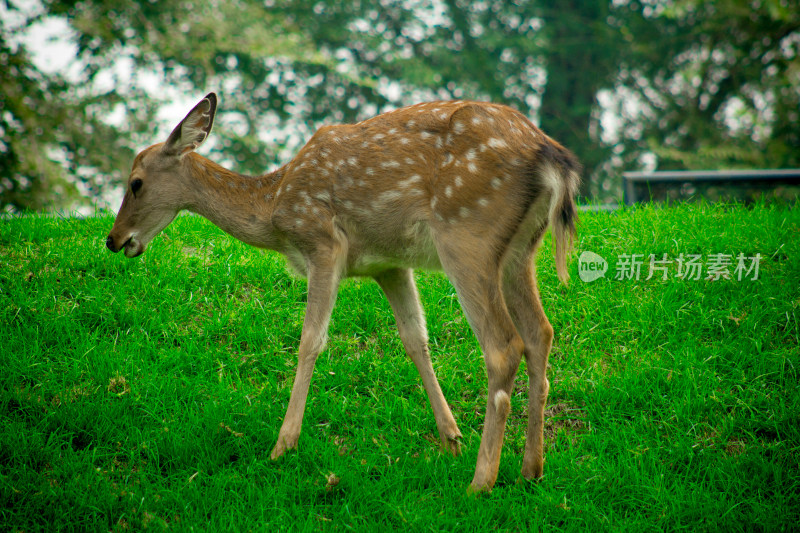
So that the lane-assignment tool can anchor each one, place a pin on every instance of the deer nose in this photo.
(110, 244)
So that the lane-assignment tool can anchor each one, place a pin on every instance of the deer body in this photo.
(465, 187)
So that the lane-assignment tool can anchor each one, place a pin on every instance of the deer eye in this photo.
(135, 186)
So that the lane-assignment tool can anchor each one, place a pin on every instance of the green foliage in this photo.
(147, 393)
(56, 144)
(687, 84)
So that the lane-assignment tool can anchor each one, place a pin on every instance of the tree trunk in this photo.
(577, 67)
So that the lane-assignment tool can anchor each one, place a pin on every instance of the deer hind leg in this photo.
(324, 275)
(476, 277)
(401, 291)
(525, 306)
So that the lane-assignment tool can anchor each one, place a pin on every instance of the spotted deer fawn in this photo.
(466, 187)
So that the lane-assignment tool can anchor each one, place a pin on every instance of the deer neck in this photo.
(239, 205)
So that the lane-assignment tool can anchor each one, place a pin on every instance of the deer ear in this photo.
(193, 129)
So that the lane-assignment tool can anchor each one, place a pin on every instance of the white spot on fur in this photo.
(494, 142)
(391, 196)
(458, 181)
(458, 127)
(502, 402)
(472, 167)
(496, 183)
(470, 154)
(448, 191)
(483, 202)
(463, 212)
(410, 181)
(390, 164)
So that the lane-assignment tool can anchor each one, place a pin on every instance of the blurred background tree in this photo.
(625, 84)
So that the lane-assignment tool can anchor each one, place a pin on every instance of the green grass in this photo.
(148, 393)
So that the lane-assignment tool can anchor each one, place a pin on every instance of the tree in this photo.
(56, 145)
(672, 84)
(716, 84)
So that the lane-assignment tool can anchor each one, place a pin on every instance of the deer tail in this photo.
(561, 170)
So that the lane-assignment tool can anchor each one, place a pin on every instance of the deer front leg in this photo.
(401, 291)
(323, 283)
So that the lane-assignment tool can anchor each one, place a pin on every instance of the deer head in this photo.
(160, 183)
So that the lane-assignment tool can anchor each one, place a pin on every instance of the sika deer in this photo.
(467, 187)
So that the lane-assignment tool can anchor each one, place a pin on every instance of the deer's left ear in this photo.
(193, 129)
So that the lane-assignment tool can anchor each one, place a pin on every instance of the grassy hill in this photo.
(147, 393)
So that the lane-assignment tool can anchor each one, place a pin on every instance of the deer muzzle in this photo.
(131, 245)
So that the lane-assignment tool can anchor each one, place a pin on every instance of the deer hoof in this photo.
(452, 444)
(280, 448)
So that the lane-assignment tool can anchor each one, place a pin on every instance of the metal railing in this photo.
(677, 185)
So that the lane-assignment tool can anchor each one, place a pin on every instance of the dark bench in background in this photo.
(713, 185)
